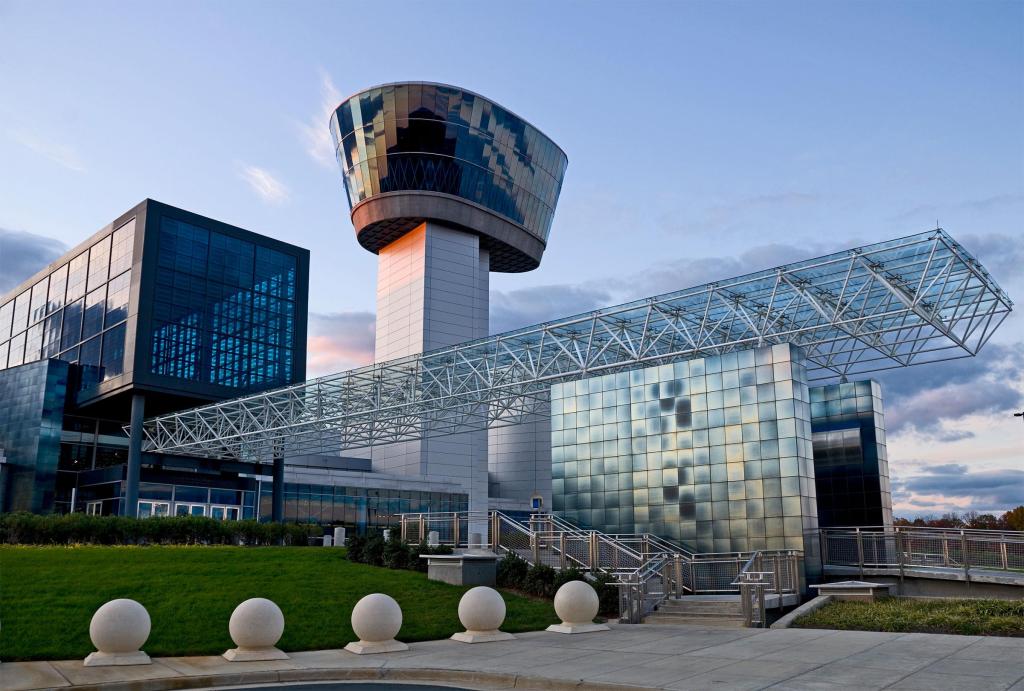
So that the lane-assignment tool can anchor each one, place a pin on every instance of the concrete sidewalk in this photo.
(639, 656)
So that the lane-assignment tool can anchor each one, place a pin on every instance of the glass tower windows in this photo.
(99, 263)
(224, 311)
(60, 313)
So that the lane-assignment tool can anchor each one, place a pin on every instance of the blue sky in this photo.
(704, 139)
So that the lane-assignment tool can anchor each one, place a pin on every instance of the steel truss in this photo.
(913, 300)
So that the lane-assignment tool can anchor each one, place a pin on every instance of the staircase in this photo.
(719, 611)
(660, 581)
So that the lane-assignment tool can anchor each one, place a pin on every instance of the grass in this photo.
(49, 594)
(967, 617)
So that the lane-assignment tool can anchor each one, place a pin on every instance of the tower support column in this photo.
(130, 505)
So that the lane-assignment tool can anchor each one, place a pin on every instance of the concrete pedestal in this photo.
(480, 568)
(100, 659)
(482, 636)
(577, 628)
(339, 537)
(255, 654)
(370, 647)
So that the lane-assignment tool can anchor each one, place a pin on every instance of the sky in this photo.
(705, 139)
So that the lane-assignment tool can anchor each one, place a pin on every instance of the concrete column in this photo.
(130, 506)
(277, 492)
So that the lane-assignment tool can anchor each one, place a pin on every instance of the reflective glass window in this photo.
(58, 286)
(38, 310)
(99, 263)
(95, 303)
(21, 310)
(117, 299)
(122, 242)
(6, 317)
(78, 273)
(112, 361)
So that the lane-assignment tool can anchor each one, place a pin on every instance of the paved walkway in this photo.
(641, 656)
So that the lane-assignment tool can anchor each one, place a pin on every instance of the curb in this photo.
(806, 608)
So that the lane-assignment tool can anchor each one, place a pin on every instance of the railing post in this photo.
(455, 529)
(423, 529)
(967, 559)
(823, 546)
(945, 550)
(495, 531)
(860, 552)
(778, 576)
(899, 555)
(594, 550)
(1004, 553)
(678, 564)
(535, 546)
(561, 549)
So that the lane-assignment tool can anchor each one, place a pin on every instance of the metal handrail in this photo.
(902, 547)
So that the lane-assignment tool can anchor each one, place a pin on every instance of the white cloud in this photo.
(269, 188)
(316, 132)
(48, 148)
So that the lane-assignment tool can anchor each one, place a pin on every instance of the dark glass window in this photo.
(6, 315)
(95, 303)
(117, 299)
(21, 309)
(90, 353)
(113, 352)
(72, 332)
(224, 309)
(121, 248)
(51, 335)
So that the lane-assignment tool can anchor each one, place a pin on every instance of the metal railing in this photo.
(752, 583)
(899, 548)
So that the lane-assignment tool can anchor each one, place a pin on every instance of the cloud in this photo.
(22, 254)
(935, 400)
(316, 132)
(1001, 254)
(954, 486)
(720, 216)
(48, 148)
(339, 341)
(522, 307)
(269, 188)
(980, 205)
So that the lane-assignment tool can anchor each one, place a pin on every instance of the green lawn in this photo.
(49, 594)
(967, 617)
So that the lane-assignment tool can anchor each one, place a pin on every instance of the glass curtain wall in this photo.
(78, 313)
(714, 452)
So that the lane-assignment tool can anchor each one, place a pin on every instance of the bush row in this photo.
(392, 553)
(540, 580)
(79, 528)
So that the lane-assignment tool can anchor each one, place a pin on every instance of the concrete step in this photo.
(725, 622)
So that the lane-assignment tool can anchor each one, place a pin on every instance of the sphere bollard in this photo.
(481, 611)
(256, 626)
(576, 604)
(118, 629)
(376, 619)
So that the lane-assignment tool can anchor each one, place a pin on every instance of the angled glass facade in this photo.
(77, 313)
(224, 309)
(31, 418)
(851, 465)
(714, 452)
(438, 138)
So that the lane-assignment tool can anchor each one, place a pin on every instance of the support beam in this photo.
(130, 506)
(277, 494)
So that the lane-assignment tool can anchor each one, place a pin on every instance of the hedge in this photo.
(79, 528)
(394, 553)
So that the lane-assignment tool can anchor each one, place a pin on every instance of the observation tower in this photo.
(445, 186)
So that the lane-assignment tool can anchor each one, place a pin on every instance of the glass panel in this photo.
(121, 248)
(94, 308)
(117, 299)
(72, 330)
(113, 352)
(78, 272)
(39, 291)
(58, 285)
(21, 309)
(99, 263)
(6, 315)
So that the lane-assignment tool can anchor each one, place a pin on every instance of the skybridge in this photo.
(908, 301)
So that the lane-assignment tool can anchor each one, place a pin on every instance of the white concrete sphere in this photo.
(376, 617)
(576, 602)
(256, 623)
(482, 609)
(120, 626)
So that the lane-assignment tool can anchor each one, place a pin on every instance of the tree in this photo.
(1013, 519)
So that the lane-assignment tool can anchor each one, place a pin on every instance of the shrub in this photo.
(512, 572)
(79, 528)
(373, 550)
(540, 581)
(396, 554)
(570, 574)
(355, 544)
(607, 595)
